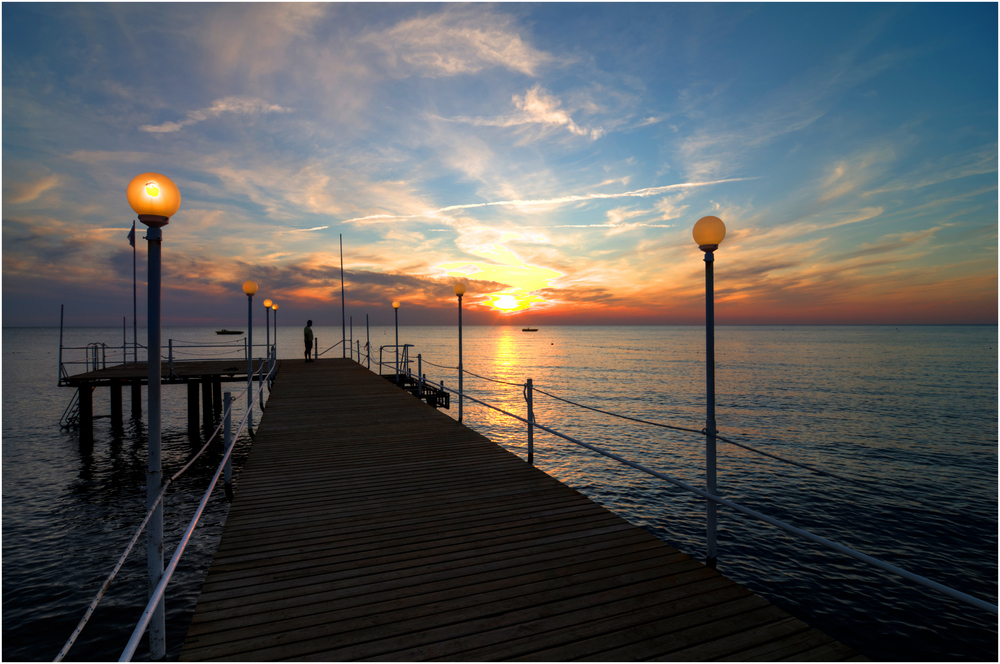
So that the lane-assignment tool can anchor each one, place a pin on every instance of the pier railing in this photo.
(224, 471)
(422, 387)
(530, 420)
(98, 355)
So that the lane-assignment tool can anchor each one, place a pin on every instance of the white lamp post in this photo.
(275, 308)
(267, 323)
(459, 291)
(155, 199)
(250, 287)
(708, 234)
(395, 308)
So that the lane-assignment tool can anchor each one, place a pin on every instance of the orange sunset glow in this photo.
(560, 179)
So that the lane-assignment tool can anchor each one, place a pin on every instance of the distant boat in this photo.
(529, 329)
(225, 331)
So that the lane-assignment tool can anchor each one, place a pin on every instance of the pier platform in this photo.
(369, 525)
(205, 376)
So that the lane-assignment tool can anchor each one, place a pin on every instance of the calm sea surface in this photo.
(912, 411)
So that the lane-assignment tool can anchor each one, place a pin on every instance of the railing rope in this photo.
(528, 397)
(168, 572)
(875, 562)
(225, 466)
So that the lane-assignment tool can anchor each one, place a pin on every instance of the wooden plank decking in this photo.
(229, 370)
(367, 525)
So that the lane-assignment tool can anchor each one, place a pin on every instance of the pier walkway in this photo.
(368, 525)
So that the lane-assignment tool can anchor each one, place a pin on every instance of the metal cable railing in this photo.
(173, 478)
(875, 562)
(168, 572)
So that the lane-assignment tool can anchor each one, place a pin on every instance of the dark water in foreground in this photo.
(912, 410)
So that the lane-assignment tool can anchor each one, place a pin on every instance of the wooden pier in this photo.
(206, 375)
(368, 525)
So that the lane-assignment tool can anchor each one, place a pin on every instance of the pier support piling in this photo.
(86, 415)
(116, 405)
(192, 389)
(136, 399)
(217, 395)
(206, 400)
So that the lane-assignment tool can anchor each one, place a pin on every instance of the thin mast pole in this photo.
(343, 306)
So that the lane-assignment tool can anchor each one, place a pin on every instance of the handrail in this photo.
(916, 578)
(93, 605)
(168, 572)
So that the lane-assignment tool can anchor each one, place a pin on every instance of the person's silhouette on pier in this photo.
(308, 333)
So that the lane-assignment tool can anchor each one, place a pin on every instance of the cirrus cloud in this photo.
(238, 105)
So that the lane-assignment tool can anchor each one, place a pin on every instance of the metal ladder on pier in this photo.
(71, 416)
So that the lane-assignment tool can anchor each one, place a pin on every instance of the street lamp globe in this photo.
(459, 288)
(395, 304)
(709, 233)
(274, 306)
(250, 287)
(267, 304)
(154, 197)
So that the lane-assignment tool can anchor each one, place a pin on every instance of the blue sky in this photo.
(558, 154)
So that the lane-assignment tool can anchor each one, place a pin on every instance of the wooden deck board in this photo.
(367, 525)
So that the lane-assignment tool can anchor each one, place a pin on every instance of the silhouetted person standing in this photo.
(308, 333)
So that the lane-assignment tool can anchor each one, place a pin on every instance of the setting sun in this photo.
(506, 302)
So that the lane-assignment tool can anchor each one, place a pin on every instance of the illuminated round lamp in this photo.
(459, 288)
(708, 233)
(250, 287)
(154, 198)
(395, 304)
(267, 304)
(274, 306)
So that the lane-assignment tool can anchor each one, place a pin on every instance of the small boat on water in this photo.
(225, 331)
(529, 329)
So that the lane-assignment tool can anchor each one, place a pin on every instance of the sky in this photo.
(554, 157)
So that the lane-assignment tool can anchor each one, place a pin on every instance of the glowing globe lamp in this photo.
(709, 233)
(154, 197)
(250, 287)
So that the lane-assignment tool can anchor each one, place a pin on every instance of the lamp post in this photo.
(250, 287)
(275, 308)
(267, 326)
(460, 291)
(395, 308)
(155, 199)
(708, 235)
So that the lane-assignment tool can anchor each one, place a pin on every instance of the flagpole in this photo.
(343, 306)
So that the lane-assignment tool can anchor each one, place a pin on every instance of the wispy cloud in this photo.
(460, 40)
(536, 107)
(237, 105)
(559, 200)
(25, 192)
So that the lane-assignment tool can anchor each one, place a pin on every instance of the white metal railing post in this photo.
(248, 352)
(227, 405)
(260, 385)
(170, 357)
(529, 397)
(420, 373)
(315, 348)
(62, 309)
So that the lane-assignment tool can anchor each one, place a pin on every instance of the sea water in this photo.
(908, 413)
